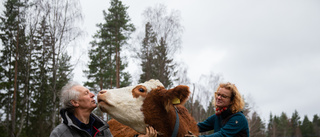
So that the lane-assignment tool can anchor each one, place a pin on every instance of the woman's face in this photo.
(223, 98)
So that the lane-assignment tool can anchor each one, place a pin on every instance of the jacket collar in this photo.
(226, 113)
(98, 123)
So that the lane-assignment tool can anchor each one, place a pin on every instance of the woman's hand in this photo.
(190, 134)
(151, 132)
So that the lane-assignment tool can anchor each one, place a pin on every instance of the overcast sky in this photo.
(269, 48)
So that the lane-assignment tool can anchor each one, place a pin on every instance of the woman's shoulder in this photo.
(239, 116)
(240, 113)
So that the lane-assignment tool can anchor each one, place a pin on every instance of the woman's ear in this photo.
(74, 103)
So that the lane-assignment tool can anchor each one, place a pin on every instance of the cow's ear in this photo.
(179, 94)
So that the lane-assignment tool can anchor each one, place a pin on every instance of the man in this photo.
(78, 121)
(77, 104)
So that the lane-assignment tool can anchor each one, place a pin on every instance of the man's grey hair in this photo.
(68, 94)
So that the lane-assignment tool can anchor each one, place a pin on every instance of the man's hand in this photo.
(151, 132)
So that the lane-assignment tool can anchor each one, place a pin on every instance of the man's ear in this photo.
(74, 103)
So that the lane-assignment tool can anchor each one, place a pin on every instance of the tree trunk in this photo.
(118, 61)
(101, 67)
(118, 66)
(192, 102)
(53, 119)
(13, 115)
(117, 55)
(25, 108)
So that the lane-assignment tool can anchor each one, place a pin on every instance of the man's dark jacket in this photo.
(70, 128)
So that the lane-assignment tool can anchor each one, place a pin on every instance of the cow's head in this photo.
(132, 106)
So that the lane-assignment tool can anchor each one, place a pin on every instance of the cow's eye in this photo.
(141, 89)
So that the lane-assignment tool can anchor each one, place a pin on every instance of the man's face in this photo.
(86, 99)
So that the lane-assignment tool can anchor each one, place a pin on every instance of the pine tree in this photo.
(101, 67)
(106, 68)
(13, 39)
(120, 30)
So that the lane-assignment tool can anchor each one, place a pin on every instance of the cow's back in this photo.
(119, 130)
(187, 123)
(165, 124)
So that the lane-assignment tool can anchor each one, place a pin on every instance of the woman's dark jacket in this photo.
(225, 125)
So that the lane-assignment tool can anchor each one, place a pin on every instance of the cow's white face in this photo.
(124, 104)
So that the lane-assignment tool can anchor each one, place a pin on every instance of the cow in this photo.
(148, 104)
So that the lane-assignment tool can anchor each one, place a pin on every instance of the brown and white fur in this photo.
(145, 104)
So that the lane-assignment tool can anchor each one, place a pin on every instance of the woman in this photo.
(228, 121)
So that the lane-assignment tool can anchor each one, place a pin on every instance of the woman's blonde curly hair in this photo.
(237, 103)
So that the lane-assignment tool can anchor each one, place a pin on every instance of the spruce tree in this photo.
(273, 126)
(256, 125)
(316, 125)
(295, 124)
(164, 66)
(155, 61)
(307, 127)
(39, 104)
(27, 67)
(284, 127)
(146, 54)
(163, 36)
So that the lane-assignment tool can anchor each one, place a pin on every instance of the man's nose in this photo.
(92, 95)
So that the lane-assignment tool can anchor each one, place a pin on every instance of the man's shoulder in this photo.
(60, 130)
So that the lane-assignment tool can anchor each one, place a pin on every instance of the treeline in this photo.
(277, 126)
(34, 64)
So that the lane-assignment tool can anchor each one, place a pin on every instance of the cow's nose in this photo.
(102, 92)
